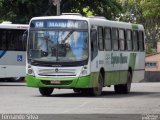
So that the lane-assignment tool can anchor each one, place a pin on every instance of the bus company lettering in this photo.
(118, 59)
(68, 24)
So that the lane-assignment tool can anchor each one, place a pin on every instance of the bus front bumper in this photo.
(66, 82)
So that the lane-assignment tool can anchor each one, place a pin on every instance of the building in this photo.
(152, 66)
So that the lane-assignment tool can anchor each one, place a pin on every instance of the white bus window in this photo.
(12, 40)
(3, 40)
(135, 40)
(141, 41)
(107, 38)
(129, 39)
(20, 44)
(100, 38)
(11, 43)
(115, 39)
(121, 39)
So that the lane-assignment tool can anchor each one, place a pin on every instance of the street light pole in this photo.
(57, 3)
(58, 7)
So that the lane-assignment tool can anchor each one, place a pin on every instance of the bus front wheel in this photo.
(97, 91)
(124, 88)
(77, 90)
(46, 91)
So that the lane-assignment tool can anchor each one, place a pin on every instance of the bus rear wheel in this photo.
(46, 91)
(97, 91)
(124, 88)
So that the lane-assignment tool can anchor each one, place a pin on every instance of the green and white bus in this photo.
(84, 54)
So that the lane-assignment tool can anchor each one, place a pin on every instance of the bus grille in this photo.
(57, 72)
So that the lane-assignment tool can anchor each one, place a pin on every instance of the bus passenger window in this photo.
(121, 39)
(100, 38)
(135, 40)
(94, 48)
(115, 39)
(141, 41)
(107, 38)
(129, 39)
(3, 40)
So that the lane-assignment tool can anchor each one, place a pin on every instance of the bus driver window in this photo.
(94, 49)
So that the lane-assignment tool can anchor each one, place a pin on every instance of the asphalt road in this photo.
(144, 99)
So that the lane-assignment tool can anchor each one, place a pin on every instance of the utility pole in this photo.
(58, 8)
(57, 3)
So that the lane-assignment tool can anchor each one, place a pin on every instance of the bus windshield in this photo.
(58, 45)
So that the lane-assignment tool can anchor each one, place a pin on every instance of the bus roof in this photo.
(94, 20)
(13, 26)
(72, 17)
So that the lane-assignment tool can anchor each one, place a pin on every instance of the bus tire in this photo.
(124, 88)
(83, 91)
(97, 91)
(76, 90)
(46, 91)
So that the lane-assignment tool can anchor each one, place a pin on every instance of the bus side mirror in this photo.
(93, 30)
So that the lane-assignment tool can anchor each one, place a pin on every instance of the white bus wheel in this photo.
(46, 91)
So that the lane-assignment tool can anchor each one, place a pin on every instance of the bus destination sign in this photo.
(77, 24)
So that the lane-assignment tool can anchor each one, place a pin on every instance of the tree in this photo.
(107, 8)
(151, 15)
(144, 12)
(21, 11)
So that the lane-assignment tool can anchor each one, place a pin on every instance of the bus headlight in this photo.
(30, 71)
(84, 73)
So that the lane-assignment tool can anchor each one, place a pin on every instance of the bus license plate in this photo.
(55, 82)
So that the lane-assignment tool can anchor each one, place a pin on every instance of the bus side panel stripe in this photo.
(2, 52)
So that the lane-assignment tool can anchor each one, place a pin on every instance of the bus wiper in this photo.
(69, 34)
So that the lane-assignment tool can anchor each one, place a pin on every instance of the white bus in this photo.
(12, 51)
(84, 54)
